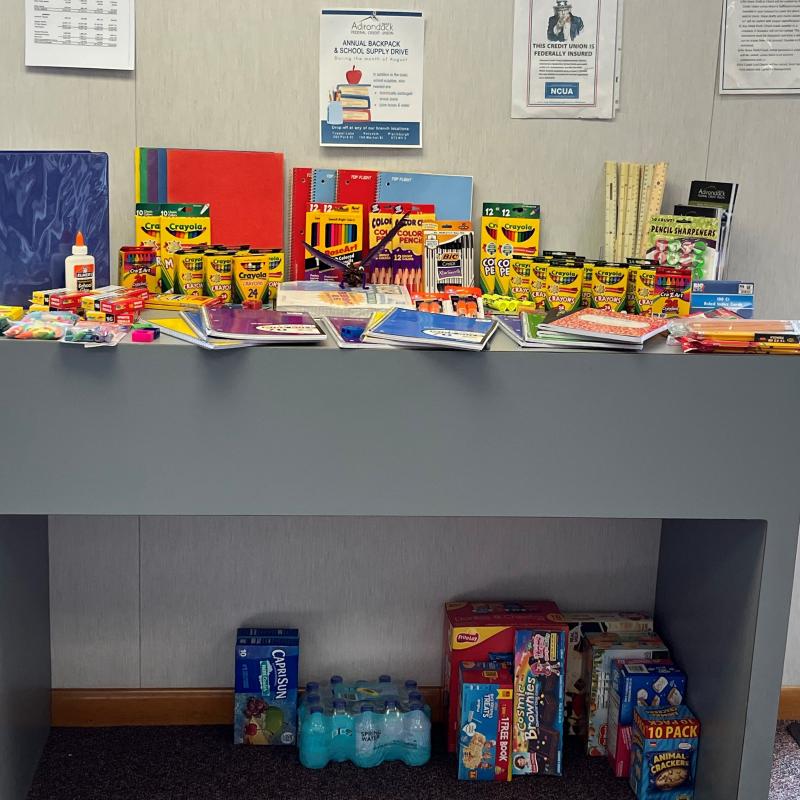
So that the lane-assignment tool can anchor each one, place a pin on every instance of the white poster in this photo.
(566, 58)
(370, 78)
(760, 48)
(95, 34)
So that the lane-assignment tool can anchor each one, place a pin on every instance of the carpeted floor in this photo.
(200, 763)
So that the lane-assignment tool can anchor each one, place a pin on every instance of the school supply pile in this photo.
(366, 722)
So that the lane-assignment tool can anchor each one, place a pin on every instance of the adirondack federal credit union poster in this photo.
(565, 58)
(370, 78)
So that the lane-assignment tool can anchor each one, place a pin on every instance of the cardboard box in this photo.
(637, 682)
(664, 753)
(738, 296)
(265, 705)
(602, 649)
(483, 631)
(539, 666)
(484, 741)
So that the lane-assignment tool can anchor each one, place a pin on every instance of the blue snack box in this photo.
(738, 296)
(265, 706)
(654, 685)
(664, 753)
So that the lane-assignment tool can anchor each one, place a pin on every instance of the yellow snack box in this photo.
(12, 313)
(256, 275)
(182, 225)
(564, 287)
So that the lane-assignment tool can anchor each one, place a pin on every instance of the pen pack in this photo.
(449, 251)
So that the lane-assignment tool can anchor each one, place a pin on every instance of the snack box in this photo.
(484, 736)
(265, 703)
(601, 650)
(664, 754)
(577, 684)
(483, 631)
(539, 666)
(12, 313)
(637, 682)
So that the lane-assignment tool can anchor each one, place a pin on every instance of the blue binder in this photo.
(46, 197)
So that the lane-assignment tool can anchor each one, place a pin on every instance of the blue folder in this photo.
(46, 197)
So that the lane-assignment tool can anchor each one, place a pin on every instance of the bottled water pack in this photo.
(364, 722)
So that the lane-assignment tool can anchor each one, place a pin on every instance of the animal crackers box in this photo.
(484, 736)
(664, 755)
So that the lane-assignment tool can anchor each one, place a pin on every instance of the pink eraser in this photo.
(143, 335)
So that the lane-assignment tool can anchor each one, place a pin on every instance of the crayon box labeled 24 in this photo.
(484, 631)
(265, 705)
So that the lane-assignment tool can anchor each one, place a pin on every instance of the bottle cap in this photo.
(415, 706)
(414, 696)
(79, 248)
(312, 686)
(313, 699)
(339, 704)
(336, 679)
(315, 710)
(366, 707)
(385, 679)
(390, 705)
(411, 684)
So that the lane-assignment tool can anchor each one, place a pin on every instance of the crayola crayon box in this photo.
(564, 287)
(256, 275)
(540, 656)
(182, 225)
(148, 225)
(508, 230)
(664, 754)
(484, 631)
(484, 733)
(265, 706)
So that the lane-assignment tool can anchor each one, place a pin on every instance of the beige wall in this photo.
(242, 74)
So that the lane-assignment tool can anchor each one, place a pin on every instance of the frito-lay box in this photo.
(664, 753)
(540, 655)
(579, 624)
(637, 682)
(508, 230)
(484, 732)
(182, 225)
(601, 650)
(484, 631)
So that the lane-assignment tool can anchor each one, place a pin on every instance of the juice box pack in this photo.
(265, 707)
(484, 734)
(484, 631)
(638, 682)
(508, 230)
(601, 651)
(539, 666)
(664, 755)
(577, 685)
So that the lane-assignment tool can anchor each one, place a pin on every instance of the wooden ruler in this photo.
(656, 199)
(624, 179)
(644, 203)
(631, 210)
(611, 210)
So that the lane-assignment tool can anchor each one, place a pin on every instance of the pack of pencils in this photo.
(449, 254)
(633, 194)
(706, 334)
(403, 260)
(336, 230)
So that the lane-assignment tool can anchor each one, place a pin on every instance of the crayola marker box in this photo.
(182, 225)
(508, 230)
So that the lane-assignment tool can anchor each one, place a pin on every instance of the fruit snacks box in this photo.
(484, 736)
(631, 693)
(577, 684)
(483, 631)
(664, 754)
(265, 709)
(601, 650)
(539, 665)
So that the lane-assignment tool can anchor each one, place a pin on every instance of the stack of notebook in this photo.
(587, 328)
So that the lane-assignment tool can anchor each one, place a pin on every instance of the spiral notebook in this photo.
(450, 194)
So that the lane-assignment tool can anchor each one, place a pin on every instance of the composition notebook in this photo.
(46, 197)
(243, 187)
(450, 194)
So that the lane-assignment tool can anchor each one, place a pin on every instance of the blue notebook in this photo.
(46, 197)
(422, 328)
(451, 194)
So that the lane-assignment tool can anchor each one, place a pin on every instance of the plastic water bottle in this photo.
(367, 734)
(392, 726)
(417, 735)
(312, 687)
(341, 731)
(308, 701)
(314, 750)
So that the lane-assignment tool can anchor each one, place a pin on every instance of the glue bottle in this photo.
(79, 267)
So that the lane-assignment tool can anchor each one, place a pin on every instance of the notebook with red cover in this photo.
(611, 326)
(307, 185)
(244, 189)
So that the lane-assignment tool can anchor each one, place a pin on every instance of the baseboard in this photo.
(790, 703)
(103, 708)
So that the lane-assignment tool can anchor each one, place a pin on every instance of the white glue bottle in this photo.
(79, 267)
